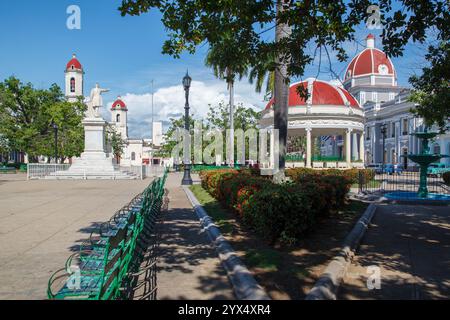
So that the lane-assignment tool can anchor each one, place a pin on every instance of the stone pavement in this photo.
(188, 265)
(411, 245)
(43, 222)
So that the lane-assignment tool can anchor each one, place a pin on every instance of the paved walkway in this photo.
(43, 222)
(188, 266)
(411, 245)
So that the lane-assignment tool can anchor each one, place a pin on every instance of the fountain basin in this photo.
(431, 198)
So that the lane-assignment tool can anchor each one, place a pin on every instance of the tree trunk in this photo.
(231, 142)
(281, 94)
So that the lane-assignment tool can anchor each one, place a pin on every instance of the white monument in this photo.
(94, 162)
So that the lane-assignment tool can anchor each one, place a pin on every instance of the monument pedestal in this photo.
(94, 162)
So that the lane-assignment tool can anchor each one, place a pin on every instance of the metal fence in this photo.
(41, 170)
(407, 181)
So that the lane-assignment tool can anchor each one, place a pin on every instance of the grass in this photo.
(370, 184)
(214, 209)
(266, 259)
(286, 272)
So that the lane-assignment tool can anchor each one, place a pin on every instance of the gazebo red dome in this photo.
(370, 61)
(119, 104)
(321, 93)
(74, 63)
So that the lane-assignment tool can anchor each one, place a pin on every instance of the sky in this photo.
(124, 55)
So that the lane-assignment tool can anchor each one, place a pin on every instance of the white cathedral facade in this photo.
(372, 79)
(137, 151)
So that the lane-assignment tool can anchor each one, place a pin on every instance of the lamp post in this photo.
(383, 128)
(55, 128)
(187, 180)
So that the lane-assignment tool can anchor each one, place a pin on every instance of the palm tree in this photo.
(223, 59)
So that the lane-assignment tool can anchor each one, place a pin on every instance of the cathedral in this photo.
(137, 151)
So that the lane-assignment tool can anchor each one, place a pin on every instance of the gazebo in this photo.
(328, 111)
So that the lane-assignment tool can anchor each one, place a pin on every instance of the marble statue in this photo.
(95, 102)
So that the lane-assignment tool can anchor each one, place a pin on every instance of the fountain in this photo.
(424, 159)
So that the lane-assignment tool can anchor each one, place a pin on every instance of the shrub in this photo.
(446, 177)
(278, 212)
(297, 174)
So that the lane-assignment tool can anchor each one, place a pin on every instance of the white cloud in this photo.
(169, 102)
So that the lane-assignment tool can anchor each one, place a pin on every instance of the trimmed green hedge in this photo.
(278, 212)
(297, 174)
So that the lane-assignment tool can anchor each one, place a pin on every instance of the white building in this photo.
(372, 79)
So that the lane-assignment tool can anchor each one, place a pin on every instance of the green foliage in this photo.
(27, 114)
(278, 212)
(116, 141)
(298, 174)
(432, 88)
(244, 118)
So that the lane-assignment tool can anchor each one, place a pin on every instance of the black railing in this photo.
(407, 181)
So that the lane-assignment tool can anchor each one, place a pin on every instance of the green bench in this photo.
(107, 263)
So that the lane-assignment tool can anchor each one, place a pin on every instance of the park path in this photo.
(43, 222)
(188, 265)
(411, 245)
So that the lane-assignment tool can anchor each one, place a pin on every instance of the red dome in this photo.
(74, 64)
(370, 61)
(322, 93)
(119, 104)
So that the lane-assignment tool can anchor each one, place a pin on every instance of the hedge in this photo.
(297, 174)
(277, 211)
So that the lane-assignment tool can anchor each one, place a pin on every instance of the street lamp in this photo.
(383, 129)
(187, 180)
(55, 128)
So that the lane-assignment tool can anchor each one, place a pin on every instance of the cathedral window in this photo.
(72, 85)
(118, 118)
(133, 156)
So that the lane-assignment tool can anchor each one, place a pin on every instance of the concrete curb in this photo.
(244, 284)
(328, 283)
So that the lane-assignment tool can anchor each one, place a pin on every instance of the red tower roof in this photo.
(119, 104)
(320, 93)
(370, 61)
(74, 64)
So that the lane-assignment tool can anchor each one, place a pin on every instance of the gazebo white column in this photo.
(348, 149)
(308, 147)
(362, 153)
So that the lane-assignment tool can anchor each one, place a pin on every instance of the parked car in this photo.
(393, 168)
(437, 169)
(377, 167)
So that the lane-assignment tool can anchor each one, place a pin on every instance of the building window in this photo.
(405, 126)
(133, 156)
(393, 130)
(437, 149)
(368, 133)
(363, 98)
(374, 97)
(118, 118)
(393, 156)
(72, 85)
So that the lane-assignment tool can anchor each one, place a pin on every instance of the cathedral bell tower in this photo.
(74, 80)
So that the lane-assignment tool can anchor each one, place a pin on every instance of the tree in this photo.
(432, 88)
(245, 118)
(115, 140)
(223, 58)
(301, 26)
(27, 114)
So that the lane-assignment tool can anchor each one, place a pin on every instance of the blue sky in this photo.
(124, 55)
